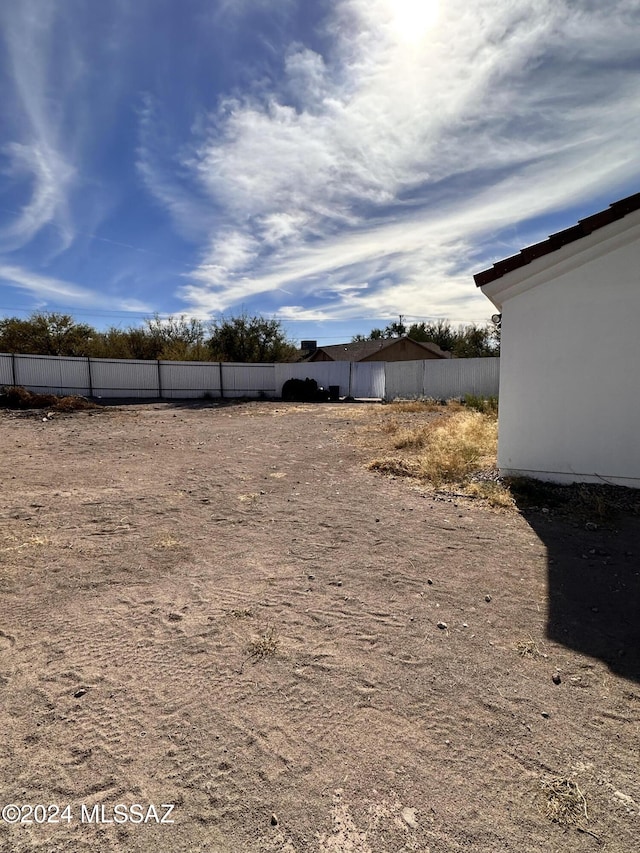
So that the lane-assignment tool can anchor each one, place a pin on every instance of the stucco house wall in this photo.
(570, 360)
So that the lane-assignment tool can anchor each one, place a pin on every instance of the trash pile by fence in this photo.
(172, 380)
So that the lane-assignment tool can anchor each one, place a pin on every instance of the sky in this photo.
(331, 163)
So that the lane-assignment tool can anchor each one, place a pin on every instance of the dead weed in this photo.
(565, 804)
(241, 612)
(17, 397)
(465, 442)
(394, 466)
(455, 450)
(528, 648)
(412, 406)
(32, 542)
(168, 542)
(262, 647)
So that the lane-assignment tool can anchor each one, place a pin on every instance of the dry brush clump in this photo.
(17, 397)
(411, 406)
(261, 647)
(565, 804)
(455, 450)
(466, 442)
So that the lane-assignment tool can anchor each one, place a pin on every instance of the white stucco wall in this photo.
(570, 361)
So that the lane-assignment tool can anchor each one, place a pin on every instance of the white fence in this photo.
(443, 379)
(115, 378)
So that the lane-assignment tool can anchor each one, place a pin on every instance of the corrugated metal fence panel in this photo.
(458, 377)
(123, 378)
(325, 373)
(368, 380)
(120, 378)
(248, 380)
(46, 374)
(404, 379)
(6, 372)
(189, 379)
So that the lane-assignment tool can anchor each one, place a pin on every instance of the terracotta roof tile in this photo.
(615, 211)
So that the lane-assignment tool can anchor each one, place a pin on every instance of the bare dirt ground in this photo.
(223, 609)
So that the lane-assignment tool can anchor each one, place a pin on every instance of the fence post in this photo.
(13, 368)
(350, 370)
(159, 381)
(221, 385)
(90, 377)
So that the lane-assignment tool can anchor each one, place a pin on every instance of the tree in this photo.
(395, 329)
(125, 343)
(178, 338)
(46, 333)
(249, 339)
(474, 342)
(470, 341)
(172, 339)
(439, 332)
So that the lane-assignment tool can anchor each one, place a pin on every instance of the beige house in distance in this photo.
(385, 349)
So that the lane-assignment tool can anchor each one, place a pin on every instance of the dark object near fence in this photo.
(17, 397)
(303, 391)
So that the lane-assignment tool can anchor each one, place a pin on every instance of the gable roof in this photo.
(358, 350)
(615, 211)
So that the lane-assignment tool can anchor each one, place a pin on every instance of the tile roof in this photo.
(615, 211)
(357, 350)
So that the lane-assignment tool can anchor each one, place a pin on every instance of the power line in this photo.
(133, 314)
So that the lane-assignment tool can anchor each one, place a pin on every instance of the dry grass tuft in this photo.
(413, 438)
(265, 646)
(452, 447)
(73, 403)
(394, 466)
(412, 406)
(241, 612)
(564, 802)
(169, 542)
(31, 542)
(528, 648)
(495, 493)
(455, 449)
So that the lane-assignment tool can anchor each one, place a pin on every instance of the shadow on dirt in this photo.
(592, 536)
(205, 402)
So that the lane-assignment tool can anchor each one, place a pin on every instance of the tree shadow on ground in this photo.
(592, 537)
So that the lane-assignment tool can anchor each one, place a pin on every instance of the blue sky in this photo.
(333, 163)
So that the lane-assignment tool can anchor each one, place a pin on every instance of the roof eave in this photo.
(616, 211)
(562, 260)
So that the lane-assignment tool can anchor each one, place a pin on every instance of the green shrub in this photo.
(485, 405)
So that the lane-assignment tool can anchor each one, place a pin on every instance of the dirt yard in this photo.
(223, 609)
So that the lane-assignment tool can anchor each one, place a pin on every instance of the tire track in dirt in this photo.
(367, 723)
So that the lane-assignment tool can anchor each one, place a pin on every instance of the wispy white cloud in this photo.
(391, 157)
(49, 176)
(49, 290)
(36, 158)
